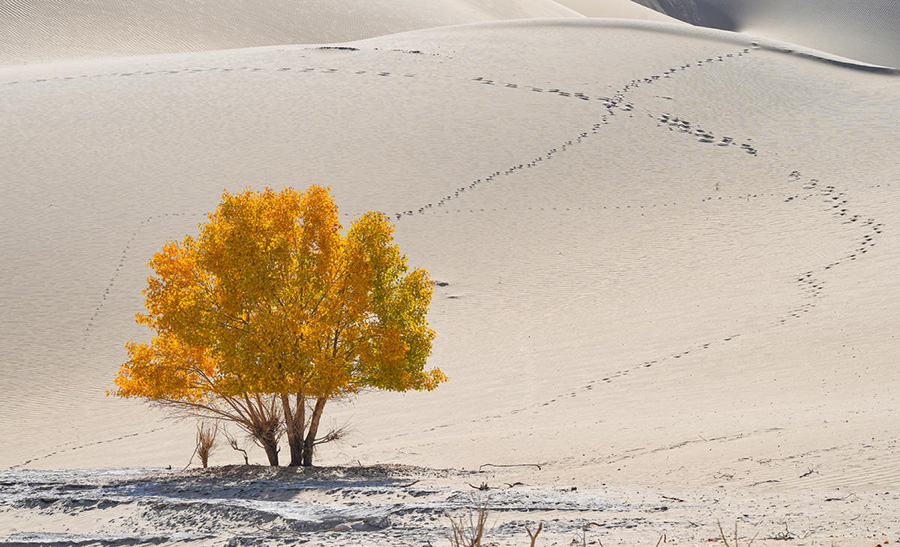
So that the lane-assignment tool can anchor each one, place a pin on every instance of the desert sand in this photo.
(664, 258)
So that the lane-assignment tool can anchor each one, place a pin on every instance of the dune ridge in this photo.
(54, 30)
(617, 9)
(432, 37)
(864, 31)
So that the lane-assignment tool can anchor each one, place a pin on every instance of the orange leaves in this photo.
(272, 298)
(166, 369)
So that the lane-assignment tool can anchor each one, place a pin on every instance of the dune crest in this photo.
(865, 31)
(52, 30)
(617, 9)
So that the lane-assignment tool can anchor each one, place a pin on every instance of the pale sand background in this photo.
(638, 309)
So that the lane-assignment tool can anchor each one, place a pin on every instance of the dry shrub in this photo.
(206, 439)
(468, 530)
(735, 537)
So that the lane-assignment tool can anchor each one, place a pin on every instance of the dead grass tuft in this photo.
(735, 538)
(468, 530)
(206, 440)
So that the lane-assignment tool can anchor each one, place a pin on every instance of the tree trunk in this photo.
(270, 445)
(294, 425)
(310, 442)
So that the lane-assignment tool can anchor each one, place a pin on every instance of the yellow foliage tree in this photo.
(272, 310)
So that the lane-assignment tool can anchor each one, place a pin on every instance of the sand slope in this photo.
(51, 30)
(666, 268)
(866, 31)
(617, 9)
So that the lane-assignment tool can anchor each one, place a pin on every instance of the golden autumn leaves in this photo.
(271, 311)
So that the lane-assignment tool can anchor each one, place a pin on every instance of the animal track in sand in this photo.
(611, 104)
(838, 205)
(64, 449)
(810, 286)
(608, 378)
(637, 452)
(674, 123)
(118, 270)
(612, 107)
(743, 198)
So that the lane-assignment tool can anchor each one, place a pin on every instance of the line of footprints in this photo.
(612, 104)
(675, 123)
(617, 102)
(838, 205)
(627, 371)
(785, 197)
(810, 286)
(67, 448)
(119, 267)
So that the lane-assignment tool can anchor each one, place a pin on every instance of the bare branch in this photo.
(234, 446)
(534, 536)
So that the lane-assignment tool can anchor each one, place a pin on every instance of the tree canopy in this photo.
(272, 310)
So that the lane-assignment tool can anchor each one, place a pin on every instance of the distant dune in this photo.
(867, 30)
(51, 30)
(623, 9)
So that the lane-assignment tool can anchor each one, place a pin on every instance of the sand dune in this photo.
(865, 31)
(52, 30)
(619, 9)
(664, 270)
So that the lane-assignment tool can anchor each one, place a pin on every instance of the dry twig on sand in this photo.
(736, 544)
(467, 531)
(534, 536)
(584, 530)
(234, 446)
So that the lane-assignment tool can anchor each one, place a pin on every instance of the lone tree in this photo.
(272, 310)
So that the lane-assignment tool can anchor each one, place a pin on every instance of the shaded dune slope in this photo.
(661, 262)
(52, 30)
(618, 9)
(865, 31)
